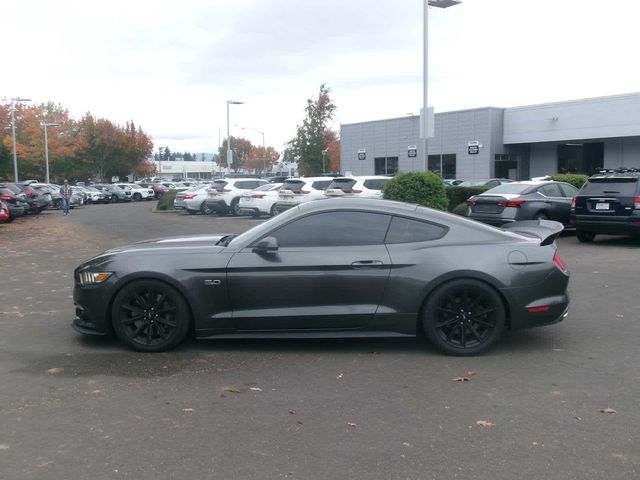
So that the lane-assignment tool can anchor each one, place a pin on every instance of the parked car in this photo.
(451, 182)
(277, 179)
(261, 201)
(193, 200)
(528, 200)
(137, 192)
(5, 216)
(608, 203)
(295, 191)
(224, 195)
(15, 202)
(94, 195)
(491, 182)
(364, 187)
(37, 200)
(341, 267)
(115, 193)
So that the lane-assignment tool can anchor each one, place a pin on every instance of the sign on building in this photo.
(412, 151)
(473, 147)
(362, 154)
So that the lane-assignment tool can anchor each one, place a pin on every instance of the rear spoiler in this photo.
(546, 230)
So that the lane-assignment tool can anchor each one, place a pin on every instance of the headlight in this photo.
(93, 278)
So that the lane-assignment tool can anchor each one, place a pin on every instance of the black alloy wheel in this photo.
(464, 317)
(235, 207)
(585, 237)
(274, 212)
(58, 204)
(150, 316)
(114, 198)
(205, 210)
(137, 197)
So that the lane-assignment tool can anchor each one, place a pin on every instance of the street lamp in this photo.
(13, 133)
(324, 158)
(229, 152)
(46, 145)
(425, 75)
(264, 150)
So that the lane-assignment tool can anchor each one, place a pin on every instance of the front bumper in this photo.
(92, 306)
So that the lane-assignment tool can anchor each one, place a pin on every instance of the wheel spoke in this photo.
(481, 313)
(447, 323)
(166, 322)
(149, 333)
(447, 310)
(140, 300)
(159, 301)
(474, 331)
(132, 308)
(483, 323)
(133, 319)
(463, 336)
(166, 310)
(139, 330)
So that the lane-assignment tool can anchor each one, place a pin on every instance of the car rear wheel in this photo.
(114, 198)
(464, 317)
(150, 316)
(274, 212)
(585, 237)
(541, 216)
(235, 207)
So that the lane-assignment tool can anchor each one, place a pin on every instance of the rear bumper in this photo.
(609, 226)
(218, 205)
(494, 220)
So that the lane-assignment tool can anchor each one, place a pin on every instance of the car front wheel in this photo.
(464, 317)
(137, 197)
(205, 210)
(150, 316)
(235, 207)
(585, 237)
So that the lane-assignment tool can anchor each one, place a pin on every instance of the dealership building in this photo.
(518, 143)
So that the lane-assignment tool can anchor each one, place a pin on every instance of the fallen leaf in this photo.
(233, 390)
(95, 391)
(471, 374)
(54, 371)
(188, 410)
(351, 424)
(339, 376)
(461, 379)
(255, 389)
(298, 422)
(293, 412)
(485, 423)
(608, 410)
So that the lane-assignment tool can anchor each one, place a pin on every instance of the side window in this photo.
(551, 190)
(569, 190)
(334, 229)
(404, 230)
(493, 183)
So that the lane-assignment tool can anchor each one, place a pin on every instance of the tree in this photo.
(242, 149)
(311, 136)
(333, 152)
(259, 158)
(145, 169)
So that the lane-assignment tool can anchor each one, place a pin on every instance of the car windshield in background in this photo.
(610, 186)
(293, 185)
(267, 187)
(509, 188)
(342, 183)
(321, 184)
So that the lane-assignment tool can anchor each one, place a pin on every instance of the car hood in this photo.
(173, 243)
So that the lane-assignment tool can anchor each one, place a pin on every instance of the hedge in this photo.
(166, 201)
(458, 195)
(423, 188)
(575, 179)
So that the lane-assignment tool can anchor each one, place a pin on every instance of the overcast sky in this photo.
(170, 66)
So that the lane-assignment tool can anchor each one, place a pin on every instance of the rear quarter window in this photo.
(405, 230)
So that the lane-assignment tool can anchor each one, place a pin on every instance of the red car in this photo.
(4, 212)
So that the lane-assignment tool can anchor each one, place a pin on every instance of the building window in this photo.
(386, 165)
(443, 165)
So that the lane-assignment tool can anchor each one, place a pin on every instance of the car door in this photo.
(329, 272)
(558, 206)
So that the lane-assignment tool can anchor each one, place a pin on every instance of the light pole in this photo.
(324, 158)
(229, 152)
(13, 133)
(264, 150)
(425, 65)
(46, 146)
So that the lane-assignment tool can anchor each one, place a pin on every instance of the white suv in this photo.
(224, 195)
(295, 191)
(360, 187)
(261, 201)
(137, 192)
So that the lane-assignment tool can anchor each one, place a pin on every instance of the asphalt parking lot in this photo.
(77, 407)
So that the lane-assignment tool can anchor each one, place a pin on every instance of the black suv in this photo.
(609, 203)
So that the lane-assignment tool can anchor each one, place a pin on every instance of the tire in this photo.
(136, 320)
(114, 198)
(137, 197)
(58, 204)
(204, 210)
(464, 317)
(273, 211)
(235, 207)
(541, 216)
(585, 237)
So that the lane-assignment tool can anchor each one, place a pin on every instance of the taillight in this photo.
(511, 203)
(559, 263)
(573, 203)
(189, 197)
(471, 203)
(636, 203)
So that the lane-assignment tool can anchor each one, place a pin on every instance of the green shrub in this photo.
(166, 201)
(457, 195)
(575, 179)
(423, 188)
(461, 209)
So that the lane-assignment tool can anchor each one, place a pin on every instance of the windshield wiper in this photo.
(224, 241)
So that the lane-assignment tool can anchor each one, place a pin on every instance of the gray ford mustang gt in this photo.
(331, 268)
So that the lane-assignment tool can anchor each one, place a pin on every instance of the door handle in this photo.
(367, 264)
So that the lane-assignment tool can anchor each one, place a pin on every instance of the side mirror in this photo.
(266, 245)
